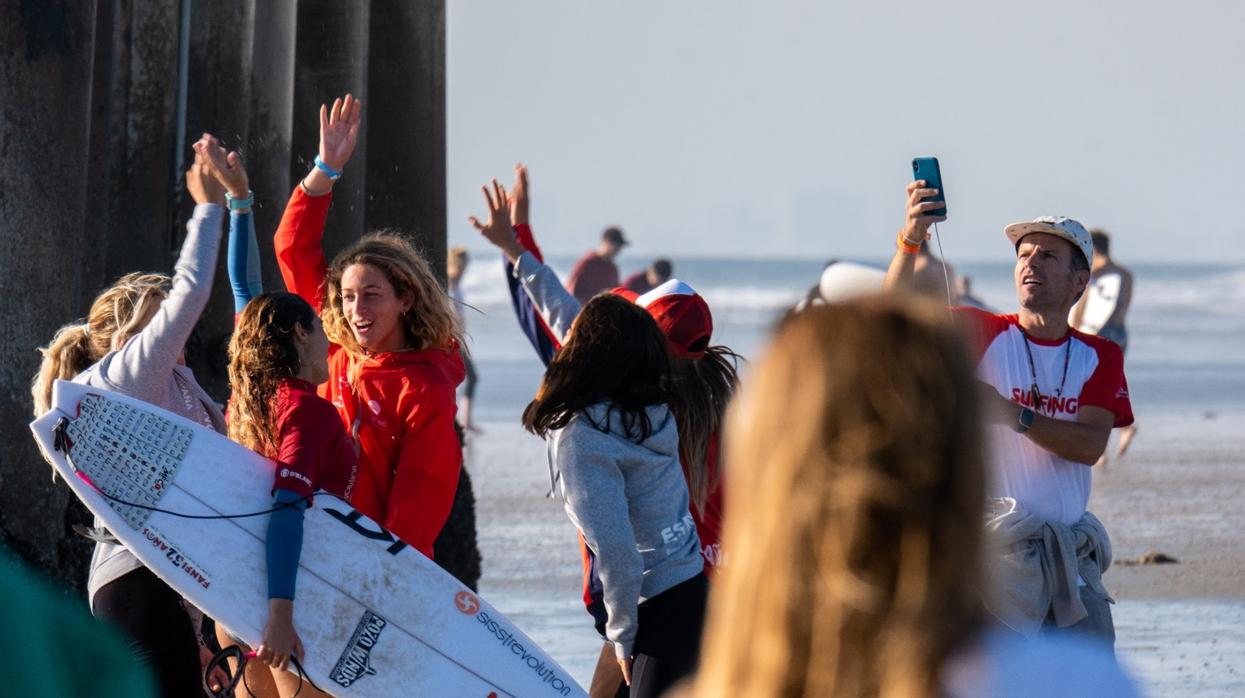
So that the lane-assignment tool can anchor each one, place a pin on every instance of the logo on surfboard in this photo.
(467, 603)
(356, 660)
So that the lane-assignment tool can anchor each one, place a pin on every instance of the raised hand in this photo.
(519, 197)
(916, 225)
(203, 187)
(339, 131)
(339, 134)
(497, 230)
(226, 167)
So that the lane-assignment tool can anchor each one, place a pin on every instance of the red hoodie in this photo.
(401, 410)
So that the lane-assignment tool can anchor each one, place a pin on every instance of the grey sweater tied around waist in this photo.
(630, 502)
(1037, 566)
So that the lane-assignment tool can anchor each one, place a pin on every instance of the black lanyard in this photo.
(1035, 394)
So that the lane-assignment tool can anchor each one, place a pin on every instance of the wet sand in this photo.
(1180, 491)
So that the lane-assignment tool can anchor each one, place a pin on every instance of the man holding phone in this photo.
(1051, 396)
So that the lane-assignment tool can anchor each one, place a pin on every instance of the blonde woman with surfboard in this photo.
(394, 363)
(133, 342)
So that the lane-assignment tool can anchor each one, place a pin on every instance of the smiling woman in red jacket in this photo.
(394, 361)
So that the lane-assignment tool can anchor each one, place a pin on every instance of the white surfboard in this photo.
(1102, 296)
(376, 617)
(843, 281)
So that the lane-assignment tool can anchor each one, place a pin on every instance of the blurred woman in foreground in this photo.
(855, 497)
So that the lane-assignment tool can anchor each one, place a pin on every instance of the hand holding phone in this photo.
(927, 169)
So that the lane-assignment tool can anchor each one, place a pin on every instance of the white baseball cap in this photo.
(1059, 226)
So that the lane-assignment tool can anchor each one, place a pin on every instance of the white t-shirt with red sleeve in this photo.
(1054, 488)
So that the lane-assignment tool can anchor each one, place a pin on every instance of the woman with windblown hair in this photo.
(703, 374)
(604, 406)
(856, 496)
(394, 362)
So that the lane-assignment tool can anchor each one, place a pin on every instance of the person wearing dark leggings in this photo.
(160, 634)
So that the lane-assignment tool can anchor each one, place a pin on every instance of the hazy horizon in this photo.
(787, 129)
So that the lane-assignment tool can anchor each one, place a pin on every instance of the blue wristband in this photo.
(332, 173)
(240, 204)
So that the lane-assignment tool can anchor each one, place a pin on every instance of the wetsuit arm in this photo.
(244, 271)
(284, 543)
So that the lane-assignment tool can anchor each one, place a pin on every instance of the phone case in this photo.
(927, 169)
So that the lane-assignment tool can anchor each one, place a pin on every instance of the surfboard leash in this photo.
(235, 652)
(63, 443)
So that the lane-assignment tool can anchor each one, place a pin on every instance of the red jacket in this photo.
(401, 411)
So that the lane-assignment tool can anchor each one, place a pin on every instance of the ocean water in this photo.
(1186, 372)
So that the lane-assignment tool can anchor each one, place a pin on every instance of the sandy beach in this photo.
(1180, 627)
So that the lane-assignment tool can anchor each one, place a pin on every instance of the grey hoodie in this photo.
(147, 367)
(630, 503)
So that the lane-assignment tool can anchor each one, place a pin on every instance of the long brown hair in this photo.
(855, 494)
(615, 354)
(703, 388)
(114, 317)
(262, 352)
(430, 322)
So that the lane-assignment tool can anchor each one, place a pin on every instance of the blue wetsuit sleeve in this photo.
(284, 545)
(244, 273)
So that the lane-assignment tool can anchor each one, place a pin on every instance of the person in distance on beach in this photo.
(133, 342)
(856, 540)
(604, 407)
(595, 271)
(394, 354)
(1104, 306)
(455, 267)
(650, 277)
(1052, 395)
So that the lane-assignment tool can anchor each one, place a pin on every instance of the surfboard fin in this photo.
(99, 534)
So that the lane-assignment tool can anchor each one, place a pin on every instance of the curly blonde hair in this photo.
(430, 322)
(855, 494)
(115, 316)
(262, 352)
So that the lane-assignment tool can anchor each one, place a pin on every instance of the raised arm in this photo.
(160, 345)
(555, 305)
(243, 256)
(914, 234)
(530, 321)
(300, 255)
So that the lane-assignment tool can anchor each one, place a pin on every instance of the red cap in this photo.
(680, 312)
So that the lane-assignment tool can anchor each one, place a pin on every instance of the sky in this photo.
(786, 128)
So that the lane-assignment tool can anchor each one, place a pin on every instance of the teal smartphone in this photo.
(927, 169)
